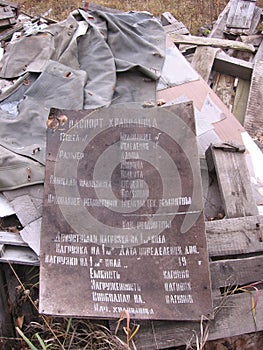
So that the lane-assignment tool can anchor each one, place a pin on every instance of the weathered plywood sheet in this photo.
(123, 216)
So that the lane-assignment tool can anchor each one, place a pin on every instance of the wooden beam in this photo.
(254, 113)
(213, 42)
(232, 66)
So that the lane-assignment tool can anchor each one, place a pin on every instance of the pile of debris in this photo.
(98, 57)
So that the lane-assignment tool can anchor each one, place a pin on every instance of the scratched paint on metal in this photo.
(123, 224)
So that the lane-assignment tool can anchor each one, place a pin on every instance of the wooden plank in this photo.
(235, 272)
(203, 60)
(7, 34)
(224, 88)
(19, 255)
(172, 25)
(253, 26)
(233, 317)
(240, 14)
(236, 236)
(9, 3)
(11, 238)
(6, 325)
(6, 13)
(254, 113)
(234, 182)
(219, 26)
(213, 42)
(235, 67)
(254, 39)
(241, 99)
(213, 206)
(175, 28)
(2, 249)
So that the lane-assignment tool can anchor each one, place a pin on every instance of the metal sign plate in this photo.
(123, 224)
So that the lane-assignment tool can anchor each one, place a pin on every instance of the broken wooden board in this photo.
(203, 60)
(254, 113)
(213, 42)
(240, 14)
(234, 180)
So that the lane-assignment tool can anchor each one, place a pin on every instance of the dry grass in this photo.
(193, 13)
(74, 334)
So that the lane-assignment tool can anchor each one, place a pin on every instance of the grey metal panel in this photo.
(125, 226)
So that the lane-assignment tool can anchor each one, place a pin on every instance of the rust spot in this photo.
(62, 119)
(28, 174)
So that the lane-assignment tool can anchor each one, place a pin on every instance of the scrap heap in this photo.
(222, 74)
